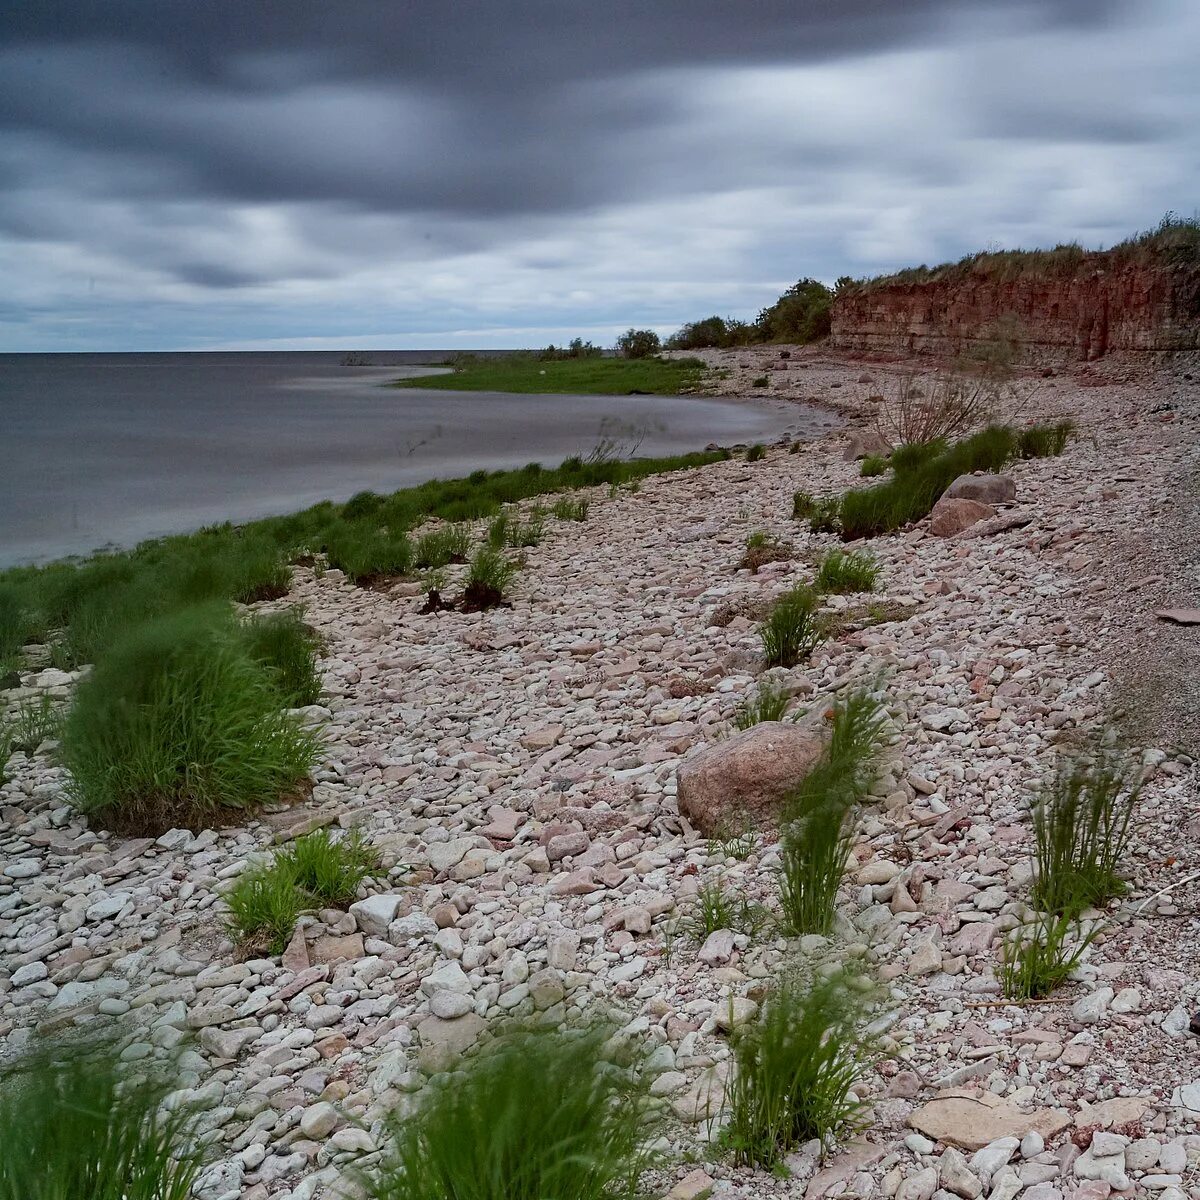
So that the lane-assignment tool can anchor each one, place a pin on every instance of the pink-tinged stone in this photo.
(951, 516)
(746, 775)
(295, 957)
(330, 949)
(575, 883)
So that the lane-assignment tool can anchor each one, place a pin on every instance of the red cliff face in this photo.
(1082, 315)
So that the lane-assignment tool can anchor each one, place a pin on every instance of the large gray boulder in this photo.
(746, 776)
(986, 488)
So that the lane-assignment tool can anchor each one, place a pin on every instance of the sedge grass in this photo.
(533, 1114)
(794, 1068)
(818, 827)
(768, 704)
(287, 648)
(327, 868)
(1039, 956)
(1082, 822)
(845, 572)
(263, 907)
(77, 1124)
(791, 631)
(177, 725)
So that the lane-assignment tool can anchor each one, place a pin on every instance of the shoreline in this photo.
(518, 769)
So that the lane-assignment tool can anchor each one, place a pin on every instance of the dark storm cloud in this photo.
(514, 166)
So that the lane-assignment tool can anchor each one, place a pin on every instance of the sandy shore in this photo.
(518, 770)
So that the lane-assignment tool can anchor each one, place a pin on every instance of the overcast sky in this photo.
(210, 174)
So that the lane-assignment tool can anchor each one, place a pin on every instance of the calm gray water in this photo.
(108, 449)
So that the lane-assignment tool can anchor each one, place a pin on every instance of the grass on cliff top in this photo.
(580, 376)
(1175, 241)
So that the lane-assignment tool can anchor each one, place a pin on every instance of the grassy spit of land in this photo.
(575, 376)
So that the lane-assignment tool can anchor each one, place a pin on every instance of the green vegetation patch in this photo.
(178, 725)
(526, 373)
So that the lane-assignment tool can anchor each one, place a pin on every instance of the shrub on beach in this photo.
(76, 1122)
(178, 724)
(757, 451)
(535, 1113)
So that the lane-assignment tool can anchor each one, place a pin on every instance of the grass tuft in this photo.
(791, 633)
(567, 509)
(264, 905)
(1039, 956)
(315, 871)
(533, 1114)
(1045, 441)
(818, 826)
(769, 704)
(75, 1123)
(872, 465)
(843, 571)
(1082, 823)
(283, 644)
(329, 869)
(177, 725)
(794, 1068)
(439, 547)
(488, 579)
(755, 452)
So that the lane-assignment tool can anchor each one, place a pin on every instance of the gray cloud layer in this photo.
(477, 173)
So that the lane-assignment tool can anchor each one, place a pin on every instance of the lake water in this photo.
(108, 449)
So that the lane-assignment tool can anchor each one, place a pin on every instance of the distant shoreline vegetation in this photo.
(554, 371)
(78, 608)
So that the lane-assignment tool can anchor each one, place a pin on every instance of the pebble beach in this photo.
(517, 770)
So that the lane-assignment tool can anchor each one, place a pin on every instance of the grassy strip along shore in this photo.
(573, 376)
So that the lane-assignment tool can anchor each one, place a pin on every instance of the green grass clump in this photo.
(872, 465)
(769, 704)
(264, 905)
(1039, 956)
(793, 1069)
(791, 631)
(521, 534)
(910, 455)
(488, 578)
(803, 504)
(755, 452)
(1082, 824)
(1045, 441)
(843, 571)
(315, 871)
(914, 489)
(435, 549)
(177, 725)
(717, 907)
(762, 381)
(824, 515)
(572, 376)
(287, 647)
(534, 1114)
(818, 826)
(329, 869)
(77, 1124)
(34, 722)
(570, 510)
(367, 554)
